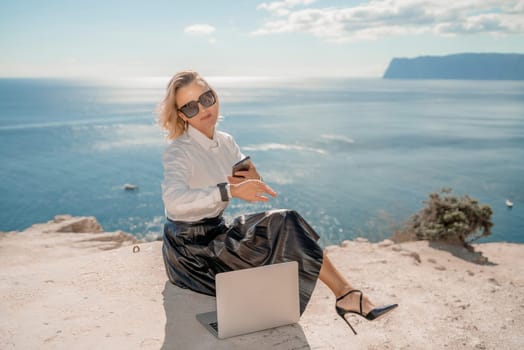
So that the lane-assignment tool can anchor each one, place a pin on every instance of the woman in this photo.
(196, 189)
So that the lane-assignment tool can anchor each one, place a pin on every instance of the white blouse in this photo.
(193, 166)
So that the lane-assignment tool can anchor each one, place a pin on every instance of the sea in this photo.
(356, 157)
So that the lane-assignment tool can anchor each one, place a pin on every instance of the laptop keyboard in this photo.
(214, 325)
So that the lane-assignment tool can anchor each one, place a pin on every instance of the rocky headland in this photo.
(465, 66)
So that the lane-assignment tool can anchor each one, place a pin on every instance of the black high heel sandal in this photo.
(370, 316)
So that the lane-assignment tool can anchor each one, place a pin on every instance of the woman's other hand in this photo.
(250, 190)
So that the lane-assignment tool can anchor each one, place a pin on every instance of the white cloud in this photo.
(379, 18)
(488, 23)
(199, 29)
(281, 8)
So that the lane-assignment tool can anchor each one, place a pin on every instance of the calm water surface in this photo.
(356, 157)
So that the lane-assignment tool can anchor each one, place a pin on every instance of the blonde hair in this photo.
(168, 117)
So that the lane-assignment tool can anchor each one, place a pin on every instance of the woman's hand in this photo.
(251, 173)
(250, 190)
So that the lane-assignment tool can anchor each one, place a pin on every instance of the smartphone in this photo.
(242, 165)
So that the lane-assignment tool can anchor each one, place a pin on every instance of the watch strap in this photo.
(223, 191)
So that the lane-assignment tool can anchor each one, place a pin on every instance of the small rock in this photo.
(440, 268)
(386, 243)
(494, 281)
(60, 218)
(480, 259)
(414, 255)
(330, 248)
(431, 260)
(361, 240)
(470, 273)
(345, 243)
(396, 249)
(80, 225)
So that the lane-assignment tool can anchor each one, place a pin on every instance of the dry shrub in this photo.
(446, 217)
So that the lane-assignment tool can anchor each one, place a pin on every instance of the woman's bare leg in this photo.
(339, 285)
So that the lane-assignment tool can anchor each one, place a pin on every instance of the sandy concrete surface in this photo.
(68, 285)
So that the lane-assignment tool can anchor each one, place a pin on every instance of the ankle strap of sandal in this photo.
(348, 293)
(353, 291)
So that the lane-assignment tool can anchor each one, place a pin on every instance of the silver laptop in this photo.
(254, 299)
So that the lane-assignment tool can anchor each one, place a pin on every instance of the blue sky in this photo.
(245, 38)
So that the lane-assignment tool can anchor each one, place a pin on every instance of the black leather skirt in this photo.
(195, 252)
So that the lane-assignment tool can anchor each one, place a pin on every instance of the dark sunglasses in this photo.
(207, 99)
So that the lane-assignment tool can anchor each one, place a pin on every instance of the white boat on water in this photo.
(130, 187)
(509, 203)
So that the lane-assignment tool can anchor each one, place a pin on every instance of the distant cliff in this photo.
(467, 66)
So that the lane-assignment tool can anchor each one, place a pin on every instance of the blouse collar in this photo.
(202, 139)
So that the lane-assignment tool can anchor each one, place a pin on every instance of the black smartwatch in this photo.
(223, 191)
